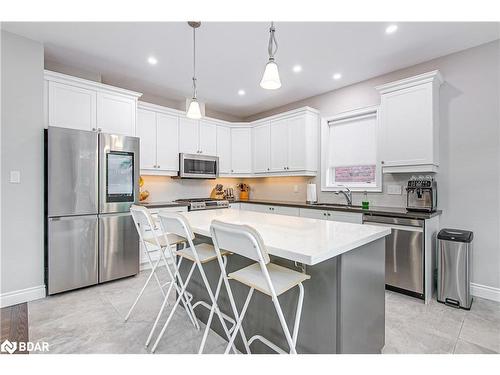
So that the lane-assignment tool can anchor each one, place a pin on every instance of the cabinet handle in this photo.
(267, 168)
(99, 130)
(94, 129)
(381, 162)
(324, 213)
(329, 214)
(158, 166)
(232, 170)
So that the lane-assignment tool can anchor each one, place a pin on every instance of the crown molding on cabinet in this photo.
(433, 76)
(67, 79)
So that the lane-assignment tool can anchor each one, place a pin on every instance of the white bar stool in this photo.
(263, 276)
(172, 222)
(153, 241)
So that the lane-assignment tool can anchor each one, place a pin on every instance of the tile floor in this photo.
(91, 321)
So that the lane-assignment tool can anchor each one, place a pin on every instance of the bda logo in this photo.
(8, 347)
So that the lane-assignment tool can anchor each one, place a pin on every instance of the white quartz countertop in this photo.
(300, 239)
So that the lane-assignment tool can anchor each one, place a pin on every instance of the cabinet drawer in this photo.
(290, 211)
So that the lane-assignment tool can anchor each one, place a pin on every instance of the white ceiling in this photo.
(231, 56)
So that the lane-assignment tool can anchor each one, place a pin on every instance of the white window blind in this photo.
(351, 151)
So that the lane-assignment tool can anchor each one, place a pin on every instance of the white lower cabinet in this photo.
(314, 214)
(346, 217)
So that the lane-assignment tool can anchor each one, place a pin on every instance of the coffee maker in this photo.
(421, 194)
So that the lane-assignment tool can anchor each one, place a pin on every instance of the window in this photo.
(349, 152)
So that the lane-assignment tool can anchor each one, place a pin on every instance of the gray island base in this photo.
(344, 303)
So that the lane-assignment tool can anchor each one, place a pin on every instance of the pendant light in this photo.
(193, 110)
(271, 77)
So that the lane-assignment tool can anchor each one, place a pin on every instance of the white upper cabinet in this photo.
(224, 149)
(198, 136)
(146, 131)
(409, 113)
(87, 105)
(188, 136)
(71, 106)
(116, 114)
(159, 134)
(261, 147)
(279, 145)
(241, 150)
(167, 142)
(294, 143)
(208, 138)
(297, 151)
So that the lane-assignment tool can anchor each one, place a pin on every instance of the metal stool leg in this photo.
(212, 311)
(153, 273)
(181, 294)
(239, 320)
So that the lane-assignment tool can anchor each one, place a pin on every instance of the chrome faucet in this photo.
(347, 194)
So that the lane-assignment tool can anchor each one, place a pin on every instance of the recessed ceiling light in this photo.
(297, 69)
(337, 76)
(152, 60)
(391, 29)
(241, 92)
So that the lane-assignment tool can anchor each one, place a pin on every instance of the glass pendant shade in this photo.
(194, 111)
(271, 77)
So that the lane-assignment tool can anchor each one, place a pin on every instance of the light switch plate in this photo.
(15, 177)
(394, 189)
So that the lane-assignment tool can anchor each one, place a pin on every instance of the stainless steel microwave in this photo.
(198, 166)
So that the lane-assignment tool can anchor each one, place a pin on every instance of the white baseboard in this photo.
(23, 295)
(485, 291)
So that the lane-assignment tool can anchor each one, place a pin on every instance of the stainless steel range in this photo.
(196, 204)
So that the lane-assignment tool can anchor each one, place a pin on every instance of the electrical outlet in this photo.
(295, 188)
(15, 177)
(394, 189)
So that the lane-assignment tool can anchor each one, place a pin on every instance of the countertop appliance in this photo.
(198, 166)
(421, 194)
(91, 180)
(404, 253)
(196, 204)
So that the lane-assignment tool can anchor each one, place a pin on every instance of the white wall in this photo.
(469, 176)
(22, 260)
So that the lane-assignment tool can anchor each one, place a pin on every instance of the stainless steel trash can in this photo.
(454, 267)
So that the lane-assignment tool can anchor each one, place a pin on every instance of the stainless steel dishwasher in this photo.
(404, 253)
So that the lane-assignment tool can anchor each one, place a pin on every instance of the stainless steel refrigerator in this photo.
(91, 181)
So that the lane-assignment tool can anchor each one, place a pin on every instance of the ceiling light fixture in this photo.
(391, 29)
(271, 78)
(152, 60)
(297, 69)
(193, 110)
(241, 92)
(337, 76)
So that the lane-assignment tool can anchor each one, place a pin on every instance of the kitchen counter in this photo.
(344, 300)
(298, 239)
(373, 210)
(162, 204)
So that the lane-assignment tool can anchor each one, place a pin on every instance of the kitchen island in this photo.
(344, 301)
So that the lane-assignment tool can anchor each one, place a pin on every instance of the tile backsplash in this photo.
(164, 188)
